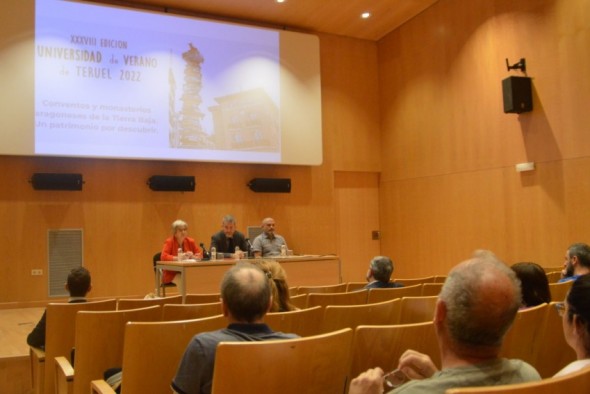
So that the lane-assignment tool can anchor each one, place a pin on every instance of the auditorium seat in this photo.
(339, 288)
(417, 309)
(431, 289)
(337, 317)
(553, 352)
(299, 301)
(382, 346)
(314, 365)
(152, 352)
(60, 336)
(553, 277)
(136, 303)
(415, 281)
(190, 311)
(353, 286)
(522, 339)
(202, 298)
(559, 290)
(99, 346)
(157, 257)
(303, 322)
(577, 382)
(379, 295)
(324, 299)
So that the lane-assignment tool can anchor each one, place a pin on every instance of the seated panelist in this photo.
(178, 240)
(268, 243)
(228, 238)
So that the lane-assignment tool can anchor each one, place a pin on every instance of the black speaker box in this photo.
(168, 183)
(518, 95)
(53, 181)
(270, 185)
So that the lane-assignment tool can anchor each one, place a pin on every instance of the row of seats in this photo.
(322, 363)
(326, 319)
(316, 364)
(95, 329)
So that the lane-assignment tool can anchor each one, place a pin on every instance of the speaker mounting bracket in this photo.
(521, 65)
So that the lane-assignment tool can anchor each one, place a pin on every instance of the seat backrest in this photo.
(337, 317)
(353, 286)
(417, 309)
(133, 303)
(440, 278)
(577, 382)
(324, 299)
(202, 298)
(99, 341)
(190, 311)
(415, 281)
(380, 295)
(553, 352)
(303, 322)
(522, 339)
(152, 352)
(299, 300)
(382, 346)
(316, 364)
(157, 257)
(61, 332)
(339, 288)
(431, 289)
(553, 277)
(559, 290)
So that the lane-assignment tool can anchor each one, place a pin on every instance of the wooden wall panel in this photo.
(350, 86)
(357, 202)
(448, 184)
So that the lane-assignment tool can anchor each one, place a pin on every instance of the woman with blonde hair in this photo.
(281, 300)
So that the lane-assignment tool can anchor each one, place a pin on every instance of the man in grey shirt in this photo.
(476, 307)
(245, 299)
(268, 243)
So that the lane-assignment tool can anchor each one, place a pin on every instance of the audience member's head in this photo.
(281, 300)
(533, 283)
(245, 293)
(481, 297)
(380, 269)
(576, 325)
(78, 282)
(577, 260)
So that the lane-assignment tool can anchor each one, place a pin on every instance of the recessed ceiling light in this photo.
(280, 1)
(365, 15)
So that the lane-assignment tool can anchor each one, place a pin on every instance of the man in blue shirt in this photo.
(577, 262)
(379, 273)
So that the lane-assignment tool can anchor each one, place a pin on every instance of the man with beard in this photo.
(577, 262)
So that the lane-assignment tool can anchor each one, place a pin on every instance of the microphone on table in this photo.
(206, 255)
(249, 247)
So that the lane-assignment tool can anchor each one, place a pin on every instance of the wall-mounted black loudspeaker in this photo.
(270, 185)
(518, 95)
(54, 181)
(168, 183)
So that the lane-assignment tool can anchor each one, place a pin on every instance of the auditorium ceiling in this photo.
(340, 17)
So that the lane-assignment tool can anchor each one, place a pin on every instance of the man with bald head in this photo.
(476, 306)
(245, 299)
(268, 243)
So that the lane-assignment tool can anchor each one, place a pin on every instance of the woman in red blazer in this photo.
(179, 239)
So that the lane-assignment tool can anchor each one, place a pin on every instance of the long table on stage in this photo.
(205, 276)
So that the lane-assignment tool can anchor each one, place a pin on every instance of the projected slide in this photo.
(110, 82)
